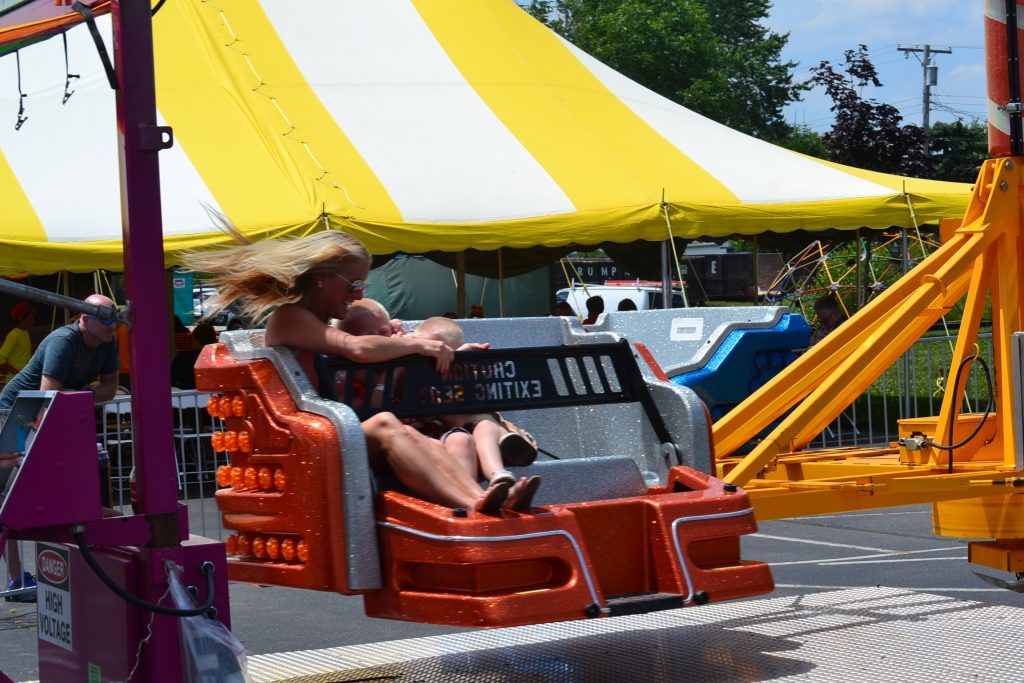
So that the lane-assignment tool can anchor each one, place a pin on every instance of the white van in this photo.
(646, 294)
(200, 300)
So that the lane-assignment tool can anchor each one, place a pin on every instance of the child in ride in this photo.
(496, 443)
(483, 444)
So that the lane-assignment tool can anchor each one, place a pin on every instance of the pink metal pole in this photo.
(152, 437)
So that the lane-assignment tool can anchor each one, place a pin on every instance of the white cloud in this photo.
(968, 72)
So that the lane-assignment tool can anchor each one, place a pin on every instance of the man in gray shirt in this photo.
(70, 358)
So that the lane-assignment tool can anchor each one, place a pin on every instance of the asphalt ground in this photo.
(886, 548)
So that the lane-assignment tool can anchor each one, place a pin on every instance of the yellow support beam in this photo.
(965, 344)
(800, 499)
(980, 260)
(797, 380)
(858, 370)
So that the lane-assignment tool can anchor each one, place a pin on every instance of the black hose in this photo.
(207, 568)
(953, 413)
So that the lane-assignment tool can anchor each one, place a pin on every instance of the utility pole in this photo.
(931, 77)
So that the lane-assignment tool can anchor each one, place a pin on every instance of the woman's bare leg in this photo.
(485, 436)
(460, 445)
(421, 464)
(13, 557)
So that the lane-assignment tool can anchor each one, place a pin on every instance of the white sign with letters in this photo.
(686, 329)
(53, 572)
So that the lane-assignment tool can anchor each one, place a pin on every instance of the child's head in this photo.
(441, 329)
(203, 334)
(829, 311)
(367, 316)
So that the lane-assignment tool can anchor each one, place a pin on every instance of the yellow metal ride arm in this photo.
(785, 480)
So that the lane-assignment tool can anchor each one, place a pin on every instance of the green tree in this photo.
(867, 134)
(713, 57)
(958, 150)
(804, 140)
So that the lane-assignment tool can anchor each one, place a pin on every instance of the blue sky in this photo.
(824, 29)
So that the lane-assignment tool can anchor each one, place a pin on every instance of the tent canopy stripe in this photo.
(417, 125)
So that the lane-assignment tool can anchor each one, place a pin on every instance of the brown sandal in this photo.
(516, 450)
(494, 499)
(522, 500)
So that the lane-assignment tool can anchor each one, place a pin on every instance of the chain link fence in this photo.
(914, 386)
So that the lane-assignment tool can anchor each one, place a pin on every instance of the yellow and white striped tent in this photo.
(416, 125)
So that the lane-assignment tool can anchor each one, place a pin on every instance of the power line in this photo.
(962, 97)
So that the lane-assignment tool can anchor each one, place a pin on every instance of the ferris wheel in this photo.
(853, 272)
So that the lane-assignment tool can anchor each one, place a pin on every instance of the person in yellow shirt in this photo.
(17, 348)
(14, 355)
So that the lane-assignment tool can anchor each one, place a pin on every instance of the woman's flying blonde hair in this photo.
(272, 272)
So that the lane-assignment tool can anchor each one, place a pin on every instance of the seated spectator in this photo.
(595, 307)
(829, 312)
(183, 366)
(627, 305)
(562, 308)
(17, 347)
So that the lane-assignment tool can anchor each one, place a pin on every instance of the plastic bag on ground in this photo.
(212, 653)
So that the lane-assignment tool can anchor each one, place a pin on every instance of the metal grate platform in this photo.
(873, 634)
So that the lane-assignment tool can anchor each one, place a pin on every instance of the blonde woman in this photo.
(298, 286)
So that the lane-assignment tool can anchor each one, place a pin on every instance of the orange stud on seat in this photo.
(265, 478)
(224, 475)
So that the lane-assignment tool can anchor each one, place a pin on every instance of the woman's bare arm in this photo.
(298, 328)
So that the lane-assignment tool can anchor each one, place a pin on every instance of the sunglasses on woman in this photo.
(353, 285)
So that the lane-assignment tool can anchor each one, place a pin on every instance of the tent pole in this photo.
(501, 285)
(666, 277)
(65, 280)
(857, 269)
(756, 288)
(460, 284)
(666, 289)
